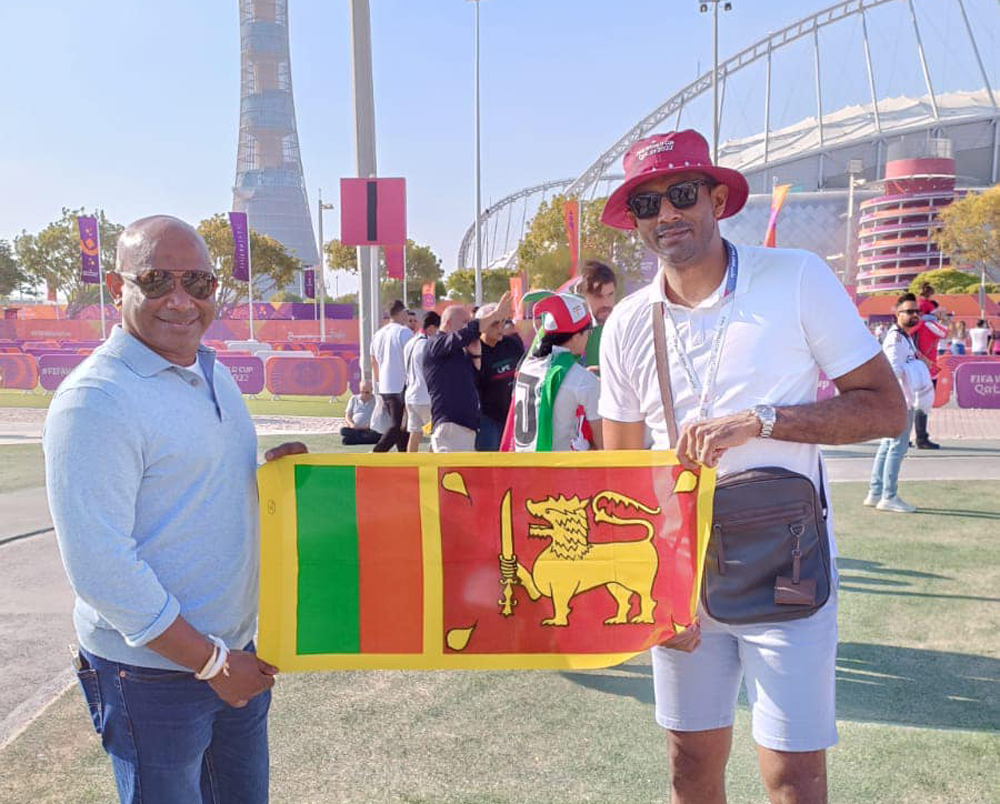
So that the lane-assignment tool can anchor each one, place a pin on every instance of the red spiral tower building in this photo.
(896, 230)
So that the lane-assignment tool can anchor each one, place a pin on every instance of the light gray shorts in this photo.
(789, 671)
(416, 417)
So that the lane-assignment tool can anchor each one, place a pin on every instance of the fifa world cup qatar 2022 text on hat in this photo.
(563, 313)
(664, 155)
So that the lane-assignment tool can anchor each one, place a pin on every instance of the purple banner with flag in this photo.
(241, 246)
(90, 256)
(309, 282)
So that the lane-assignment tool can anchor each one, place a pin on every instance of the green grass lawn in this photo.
(21, 466)
(916, 680)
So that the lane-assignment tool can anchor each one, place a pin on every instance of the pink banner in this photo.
(18, 371)
(373, 212)
(247, 371)
(53, 369)
(306, 376)
(977, 384)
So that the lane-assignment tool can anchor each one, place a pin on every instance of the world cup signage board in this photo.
(373, 212)
(478, 560)
(977, 384)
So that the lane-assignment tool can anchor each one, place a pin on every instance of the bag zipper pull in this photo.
(797, 531)
(720, 557)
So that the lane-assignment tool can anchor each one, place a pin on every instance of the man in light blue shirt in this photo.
(150, 460)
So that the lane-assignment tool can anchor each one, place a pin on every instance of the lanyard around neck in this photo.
(704, 391)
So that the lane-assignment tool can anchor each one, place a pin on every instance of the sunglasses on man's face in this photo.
(156, 283)
(682, 195)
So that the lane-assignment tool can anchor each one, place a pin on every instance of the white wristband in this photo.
(220, 660)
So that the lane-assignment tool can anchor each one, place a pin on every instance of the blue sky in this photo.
(133, 106)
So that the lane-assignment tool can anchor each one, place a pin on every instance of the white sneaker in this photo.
(895, 504)
(870, 501)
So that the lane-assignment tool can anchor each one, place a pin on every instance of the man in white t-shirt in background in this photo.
(417, 397)
(748, 331)
(389, 371)
(979, 338)
(553, 394)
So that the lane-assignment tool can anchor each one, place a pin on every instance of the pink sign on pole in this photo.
(247, 371)
(53, 369)
(373, 212)
(977, 384)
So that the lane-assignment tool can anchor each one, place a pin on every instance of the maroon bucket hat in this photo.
(663, 155)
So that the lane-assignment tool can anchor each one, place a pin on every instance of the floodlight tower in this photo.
(270, 186)
(703, 8)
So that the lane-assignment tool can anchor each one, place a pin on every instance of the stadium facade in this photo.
(270, 186)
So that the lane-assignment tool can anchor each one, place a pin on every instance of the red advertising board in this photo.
(307, 376)
(247, 371)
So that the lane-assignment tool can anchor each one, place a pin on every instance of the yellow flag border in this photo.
(279, 563)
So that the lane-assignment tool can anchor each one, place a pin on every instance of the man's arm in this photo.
(448, 343)
(623, 435)
(349, 412)
(870, 405)
(374, 369)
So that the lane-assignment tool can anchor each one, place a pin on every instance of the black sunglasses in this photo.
(682, 195)
(157, 283)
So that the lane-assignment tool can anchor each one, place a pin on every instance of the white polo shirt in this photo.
(791, 317)
(387, 349)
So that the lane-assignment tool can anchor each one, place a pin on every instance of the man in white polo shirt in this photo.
(389, 371)
(747, 332)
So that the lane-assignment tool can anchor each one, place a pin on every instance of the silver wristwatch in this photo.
(767, 415)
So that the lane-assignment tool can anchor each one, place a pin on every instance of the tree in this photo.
(544, 252)
(11, 277)
(422, 266)
(461, 284)
(947, 280)
(340, 257)
(968, 230)
(287, 296)
(53, 256)
(273, 266)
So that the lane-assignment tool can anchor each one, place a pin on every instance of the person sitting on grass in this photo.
(359, 417)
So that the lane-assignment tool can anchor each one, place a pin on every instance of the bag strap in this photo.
(663, 371)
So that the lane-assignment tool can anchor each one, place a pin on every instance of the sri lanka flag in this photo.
(477, 560)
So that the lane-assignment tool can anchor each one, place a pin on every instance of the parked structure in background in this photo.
(895, 236)
(270, 186)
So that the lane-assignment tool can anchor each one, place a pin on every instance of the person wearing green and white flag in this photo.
(555, 398)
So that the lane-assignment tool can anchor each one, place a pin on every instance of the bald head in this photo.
(137, 245)
(454, 318)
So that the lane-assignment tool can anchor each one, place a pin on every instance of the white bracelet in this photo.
(220, 660)
(208, 664)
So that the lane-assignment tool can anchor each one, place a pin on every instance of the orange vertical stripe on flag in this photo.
(390, 559)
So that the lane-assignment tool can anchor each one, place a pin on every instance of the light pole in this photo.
(854, 166)
(479, 198)
(321, 207)
(703, 8)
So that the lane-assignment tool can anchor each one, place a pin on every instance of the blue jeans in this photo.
(488, 437)
(172, 740)
(888, 459)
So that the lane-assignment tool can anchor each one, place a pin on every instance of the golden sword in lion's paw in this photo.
(508, 561)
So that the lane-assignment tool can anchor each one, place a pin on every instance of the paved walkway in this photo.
(36, 601)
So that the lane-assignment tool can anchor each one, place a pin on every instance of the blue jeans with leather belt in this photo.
(172, 740)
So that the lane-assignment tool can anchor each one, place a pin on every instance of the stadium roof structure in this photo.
(813, 153)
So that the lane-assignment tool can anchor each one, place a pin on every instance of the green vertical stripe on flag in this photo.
(327, 620)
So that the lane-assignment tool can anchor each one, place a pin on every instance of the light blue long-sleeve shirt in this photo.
(151, 476)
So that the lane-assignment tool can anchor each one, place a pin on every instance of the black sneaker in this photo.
(927, 445)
